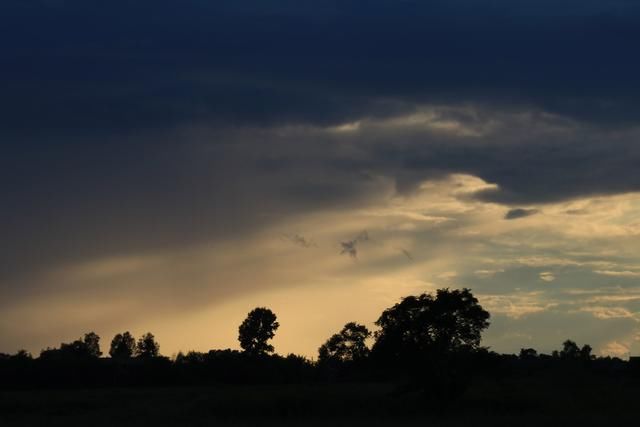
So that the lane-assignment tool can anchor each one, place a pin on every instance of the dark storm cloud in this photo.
(518, 213)
(92, 95)
(530, 162)
(76, 201)
(75, 66)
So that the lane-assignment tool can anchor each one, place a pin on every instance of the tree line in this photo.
(123, 346)
(426, 342)
(450, 320)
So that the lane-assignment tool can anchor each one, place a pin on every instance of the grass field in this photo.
(525, 403)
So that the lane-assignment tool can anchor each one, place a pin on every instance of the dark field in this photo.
(527, 402)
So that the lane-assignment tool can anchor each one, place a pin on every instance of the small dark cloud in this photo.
(363, 237)
(299, 240)
(520, 213)
(577, 212)
(406, 253)
(350, 247)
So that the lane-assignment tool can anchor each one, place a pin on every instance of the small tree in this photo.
(258, 328)
(22, 355)
(74, 350)
(122, 346)
(347, 345)
(147, 346)
(87, 347)
(585, 353)
(571, 351)
(92, 343)
(528, 353)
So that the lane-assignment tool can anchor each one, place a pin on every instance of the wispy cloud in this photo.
(615, 348)
(487, 273)
(518, 305)
(406, 253)
(299, 240)
(547, 276)
(618, 273)
(608, 312)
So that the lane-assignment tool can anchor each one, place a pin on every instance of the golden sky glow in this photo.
(519, 268)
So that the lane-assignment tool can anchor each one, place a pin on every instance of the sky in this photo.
(168, 167)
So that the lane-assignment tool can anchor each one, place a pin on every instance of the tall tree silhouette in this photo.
(92, 343)
(258, 328)
(585, 352)
(347, 345)
(147, 346)
(452, 320)
(122, 346)
(570, 350)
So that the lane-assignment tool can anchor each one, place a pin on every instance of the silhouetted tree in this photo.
(585, 352)
(192, 357)
(75, 349)
(453, 320)
(258, 328)
(122, 346)
(432, 340)
(528, 353)
(147, 346)
(87, 347)
(347, 345)
(22, 355)
(92, 343)
(570, 350)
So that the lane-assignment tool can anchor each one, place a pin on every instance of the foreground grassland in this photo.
(527, 402)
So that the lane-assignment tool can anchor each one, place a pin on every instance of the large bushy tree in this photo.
(450, 321)
(431, 339)
(258, 328)
(346, 346)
